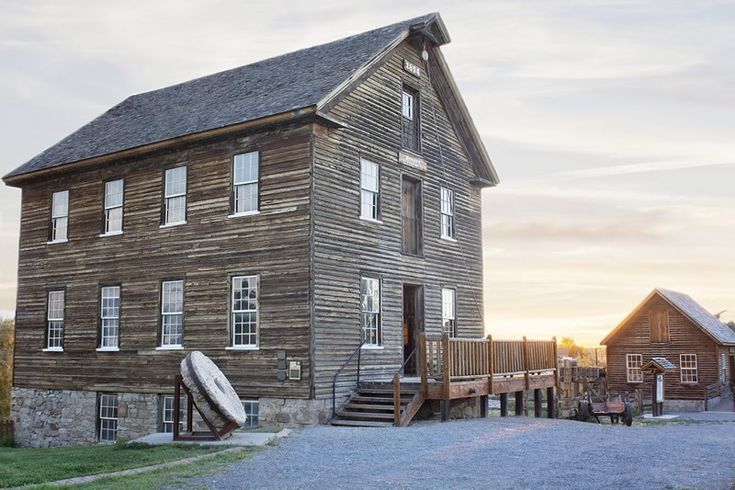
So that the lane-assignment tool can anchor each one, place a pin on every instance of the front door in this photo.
(413, 312)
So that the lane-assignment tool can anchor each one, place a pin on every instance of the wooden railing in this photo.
(450, 360)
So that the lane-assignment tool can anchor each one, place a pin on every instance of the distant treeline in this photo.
(6, 365)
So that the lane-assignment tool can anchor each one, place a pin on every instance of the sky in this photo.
(610, 124)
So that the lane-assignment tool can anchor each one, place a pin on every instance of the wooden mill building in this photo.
(672, 325)
(275, 216)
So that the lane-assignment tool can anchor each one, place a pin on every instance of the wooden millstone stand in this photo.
(208, 390)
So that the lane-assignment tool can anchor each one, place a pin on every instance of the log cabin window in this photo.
(688, 368)
(113, 207)
(109, 317)
(59, 216)
(412, 220)
(633, 364)
(245, 175)
(370, 310)
(410, 119)
(108, 418)
(449, 312)
(369, 190)
(55, 321)
(447, 213)
(174, 201)
(723, 367)
(167, 413)
(658, 321)
(244, 312)
(172, 313)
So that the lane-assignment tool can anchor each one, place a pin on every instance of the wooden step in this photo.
(376, 400)
(360, 423)
(369, 406)
(383, 392)
(349, 414)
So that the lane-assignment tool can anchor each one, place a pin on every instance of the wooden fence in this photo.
(7, 429)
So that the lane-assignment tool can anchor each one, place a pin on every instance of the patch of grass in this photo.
(22, 466)
(175, 476)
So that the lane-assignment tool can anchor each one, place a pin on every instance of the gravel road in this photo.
(494, 453)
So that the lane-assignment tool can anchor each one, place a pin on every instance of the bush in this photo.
(7, 442)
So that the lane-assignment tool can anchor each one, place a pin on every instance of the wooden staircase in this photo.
(374, 406)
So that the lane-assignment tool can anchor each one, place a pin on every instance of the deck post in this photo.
(397, 399)
(537, 402)
(444, 406)
(446, 366)
(519, 402)
(490, 363)
(422, 364)
(504, 404)
(550, 402)
(483, 406)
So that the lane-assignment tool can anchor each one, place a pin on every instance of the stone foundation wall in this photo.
(290, 412)
(55, 418)
(684, 405)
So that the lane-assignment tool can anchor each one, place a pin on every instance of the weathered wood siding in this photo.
(685, 338)
(347, 247)
(274, 244)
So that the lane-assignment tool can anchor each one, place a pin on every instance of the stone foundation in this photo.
(55, 418)
(684, 405)
(290, 412)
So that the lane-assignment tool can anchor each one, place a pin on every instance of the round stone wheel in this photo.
(213, 394)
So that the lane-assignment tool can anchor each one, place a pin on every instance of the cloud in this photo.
(636, 168)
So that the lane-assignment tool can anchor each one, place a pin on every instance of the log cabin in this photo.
(303, 220)
(673, 326)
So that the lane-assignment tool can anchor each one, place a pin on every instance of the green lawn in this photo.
(20, 466)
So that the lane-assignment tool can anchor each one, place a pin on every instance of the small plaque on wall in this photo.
(412, 161)
(411, 68)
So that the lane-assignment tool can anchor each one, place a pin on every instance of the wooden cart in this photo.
(617, 407)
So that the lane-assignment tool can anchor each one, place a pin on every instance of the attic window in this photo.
(410, 122)
(658, 322)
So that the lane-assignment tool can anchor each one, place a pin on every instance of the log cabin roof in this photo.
(696, 313)
(309, 78)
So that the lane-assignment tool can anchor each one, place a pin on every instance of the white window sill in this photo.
(111, 233)
(371, 220)
(242, 347)
(108, 349)
(52, 242)
(449, 239)
(171, 225)
(170, 347)
(53, 349)
(372, 347)
(246, 213)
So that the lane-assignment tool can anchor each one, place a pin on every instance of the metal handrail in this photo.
(344, 365)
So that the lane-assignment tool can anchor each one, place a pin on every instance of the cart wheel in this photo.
(614, 419)
(583, 411)
(628, 414)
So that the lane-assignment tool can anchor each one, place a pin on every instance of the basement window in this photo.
(113, 207)
(59, 217)
(633, 364)
(688, 368)
(251, 410)
(167, 414)
(108, 418)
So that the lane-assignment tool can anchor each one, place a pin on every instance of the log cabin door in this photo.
(413, 321)
(411, 204)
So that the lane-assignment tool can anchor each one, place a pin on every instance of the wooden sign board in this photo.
(411, 68)
(411, 161)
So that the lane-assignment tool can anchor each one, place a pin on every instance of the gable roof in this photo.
(308, 78)
(714, 328)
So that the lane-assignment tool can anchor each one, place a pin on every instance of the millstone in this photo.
(212, 392)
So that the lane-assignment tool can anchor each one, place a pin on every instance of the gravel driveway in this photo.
(512, 452)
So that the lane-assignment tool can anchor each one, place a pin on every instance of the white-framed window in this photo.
(251, 410)
(167, 413)
(633, 364)
(108, 418)
(245, 174)
(60, 216)
(244, 311)
(447, 213)
(114, 206)
(449, 312)
(55, 320)
(172, 313)
(688, 368)
(369, 189)
(370, 310)
(174, 205)
(109, 317)
(407, 105)
(723, 367)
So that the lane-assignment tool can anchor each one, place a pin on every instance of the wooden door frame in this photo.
(419, 316)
